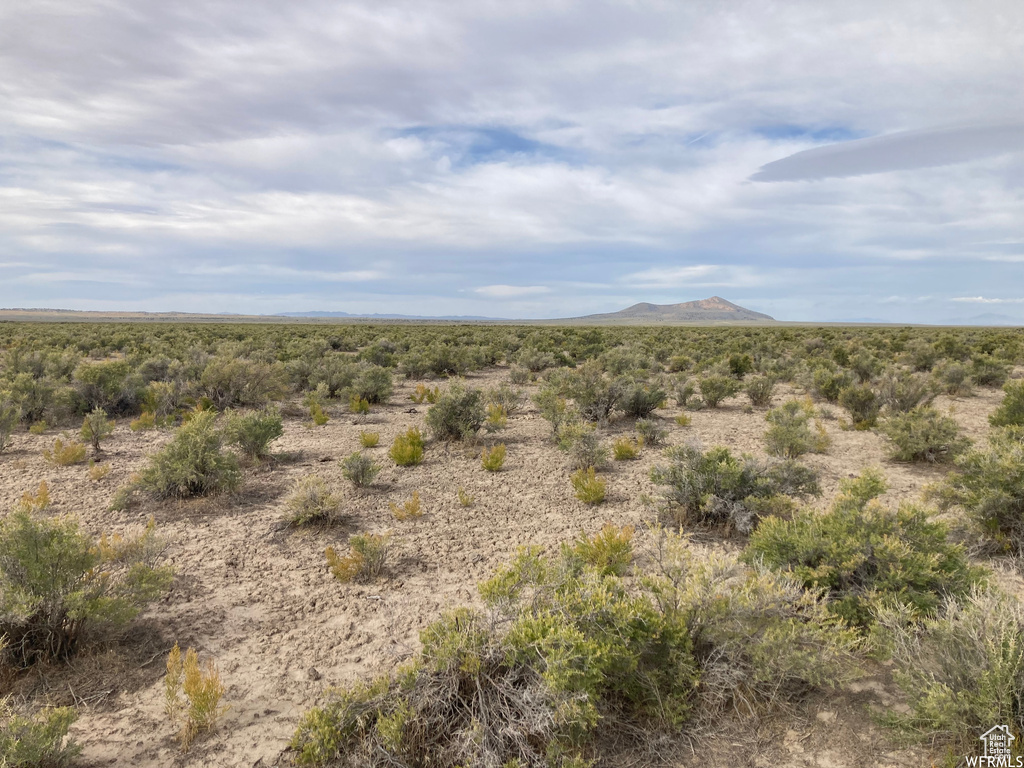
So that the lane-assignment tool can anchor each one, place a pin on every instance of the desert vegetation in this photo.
(411, 545)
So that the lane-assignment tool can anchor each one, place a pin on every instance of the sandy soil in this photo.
(259, 599)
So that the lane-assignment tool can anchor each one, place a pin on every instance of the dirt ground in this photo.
(258, 598)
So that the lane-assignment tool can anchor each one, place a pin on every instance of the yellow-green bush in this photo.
(407, 450)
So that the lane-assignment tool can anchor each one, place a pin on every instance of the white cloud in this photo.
(510, 291)
(695, 276)
(984, 300)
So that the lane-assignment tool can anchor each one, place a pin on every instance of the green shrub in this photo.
(650, 433)
(373, 384)
(714, 488)
(311, 502)
(109, 385)
(234, 382)
(639, 399)
(610, 551)
(760, 390)
(457, 415)
(902, 392)
(358, 405)
(566, 646)
(10, 414)
(369, 439)
(953, 378)
(827, 383)
(365, 561)
(862, 404)
(986, 371)
(407, 450)
(359, 470)
(715, 389)
(192, 694)
(493, 459)
(253, 432)
(923, 434)
(684, 393)
(625, 449)
(580, 441)
(497, 419)
(507, 397)
(865, 554)
(193, 463)
(146, 420)
(789, 433)
(587, 487)
(740, 365)
(1010, 412)
(593, 393)
(60, 585)
(989, 486)
(962, 670)
(64, 454)
(36, 741)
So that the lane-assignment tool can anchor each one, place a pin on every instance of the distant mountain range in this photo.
(713, 310)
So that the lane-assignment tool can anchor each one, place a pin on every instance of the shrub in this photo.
(36, 741)
(862, 404)
(683, 420)
(407, 450)
(639, 399)
(359, 470)
(96, 427)
(10, 413)
(317, 414)
(425, 394)
(649, 432)
(192, 694)
(740, 365)
(146, 420)
(580, 441)
(38, 427)
(953, 379)
(989, 486)
(507, 397)
(827, 383)
(865, 554)
(923, 434)
(192, 463)
(369, 439)
(961, 670)
(64, 454)
(253, 432)
(98, 471)
(986, 371)
(408, 510)
(565, 648)
(684, 393)
(493, 459)
(311, 502)
(760, 390)
(592, 392)
(358, 405)
(902, 392)
(625, 449)
(109, 385)
(715, 389)
(457, 415)
(789, 433)
(373, 384)
(365, 561)
(59, 584)
(497, 419)
(465, 498)
(610, 551)
(1010, 412)
(714, 488)
(587, 487)
(519, 375)
(234, 382)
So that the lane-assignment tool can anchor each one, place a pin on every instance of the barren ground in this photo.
(259, 599)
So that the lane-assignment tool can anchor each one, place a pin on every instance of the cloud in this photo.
(510, 291)
(984, 300)
(906, 150)
(695, 276)
(286, 273)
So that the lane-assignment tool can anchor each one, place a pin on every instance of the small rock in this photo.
(313, 673)
(324, 459)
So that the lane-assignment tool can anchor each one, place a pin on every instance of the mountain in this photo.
(713, 310)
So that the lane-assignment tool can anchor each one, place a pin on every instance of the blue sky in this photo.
(816, 161)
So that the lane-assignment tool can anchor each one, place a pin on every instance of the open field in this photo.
(256, 594)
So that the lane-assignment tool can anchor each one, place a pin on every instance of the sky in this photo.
(817, 161)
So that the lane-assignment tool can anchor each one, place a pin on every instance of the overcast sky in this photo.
(813, 160)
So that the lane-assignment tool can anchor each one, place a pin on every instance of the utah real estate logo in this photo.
(998, 742)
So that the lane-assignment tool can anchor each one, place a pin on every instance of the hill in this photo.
(712, 310)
